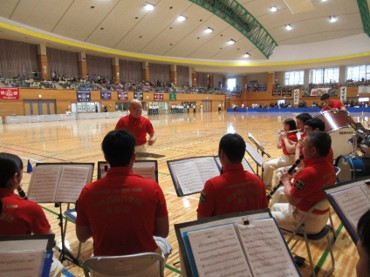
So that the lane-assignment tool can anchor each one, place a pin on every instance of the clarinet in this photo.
(290, 171)
(21, 193)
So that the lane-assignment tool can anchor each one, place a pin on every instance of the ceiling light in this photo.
(149, 7)
(246, 55)
(333, 19)
(181, 18)
(288, 27)
(273, 9)
(208, 30)
(231, 41)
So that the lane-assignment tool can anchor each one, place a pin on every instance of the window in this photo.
(324, 75)
(294, 78)
(231, 84)
(358, 72)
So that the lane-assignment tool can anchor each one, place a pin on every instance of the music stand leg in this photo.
(65, 253)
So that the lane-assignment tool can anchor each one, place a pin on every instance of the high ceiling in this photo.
(124, 28)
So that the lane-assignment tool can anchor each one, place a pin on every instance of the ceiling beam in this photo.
(365, 15)
(243, 21)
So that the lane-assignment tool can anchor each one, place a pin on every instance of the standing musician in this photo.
(305, 190)
(137, 125)
(288, 135)
(331, 104)
(235, 190)
(20, 216)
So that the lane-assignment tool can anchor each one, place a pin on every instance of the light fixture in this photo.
(148, 6)
(246, 55)
(288, 27)
(208, 30)
(333, 19)
(273, 9)
(181, 18)
(231, 41)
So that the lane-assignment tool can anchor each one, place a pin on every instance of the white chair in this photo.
(148, 264)
(300, 232)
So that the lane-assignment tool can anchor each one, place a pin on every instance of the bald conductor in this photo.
(137, 125)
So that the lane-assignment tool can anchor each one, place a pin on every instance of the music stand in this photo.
(257, 158)
(258, 145)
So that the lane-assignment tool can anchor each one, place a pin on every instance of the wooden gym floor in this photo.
(178, 136)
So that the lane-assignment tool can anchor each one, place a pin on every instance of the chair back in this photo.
(149, 264)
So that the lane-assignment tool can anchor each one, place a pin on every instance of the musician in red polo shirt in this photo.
(331, 104)
(137, 125)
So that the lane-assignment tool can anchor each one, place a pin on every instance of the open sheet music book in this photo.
(59, 182)
(189, 175)
(145, 168)
(27, 255)
(350, 201)
(244, 244)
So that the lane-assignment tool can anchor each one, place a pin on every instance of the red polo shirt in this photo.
(235, 190)
(309, 182)
(121, 210)
(20, 216)
(139, 127)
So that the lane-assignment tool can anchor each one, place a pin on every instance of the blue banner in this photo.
(105, 95)
(83, 96)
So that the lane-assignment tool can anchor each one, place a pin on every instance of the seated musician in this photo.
(20, 216)
(363, 245)
(284, 137)
(305, 189)
(235, 190)
(122, 211)
(313, 124)
(331, 104)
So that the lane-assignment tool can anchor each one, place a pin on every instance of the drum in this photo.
(352, 167)
(341, 127)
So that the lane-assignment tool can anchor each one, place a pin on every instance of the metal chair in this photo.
(300, 232)
(149, 264)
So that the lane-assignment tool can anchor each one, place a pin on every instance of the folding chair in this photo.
(148, 264)
(324, 233)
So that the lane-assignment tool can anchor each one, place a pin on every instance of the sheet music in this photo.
(191, 174)
(217, 252)
(353, 203)
(43, 183)
(21, 263)
(265, 249)
(72, 180)
(146, 170)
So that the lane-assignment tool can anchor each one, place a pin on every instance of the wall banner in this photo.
(9, 93)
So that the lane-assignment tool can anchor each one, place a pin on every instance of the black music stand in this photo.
(261, 149)
(257, 157)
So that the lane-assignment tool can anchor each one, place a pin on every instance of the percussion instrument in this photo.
(340, 126)
(352, 167)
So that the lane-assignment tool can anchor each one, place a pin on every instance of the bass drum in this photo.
(341, 127)
(352, 167)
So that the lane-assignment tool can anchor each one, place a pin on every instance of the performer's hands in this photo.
(152, 140)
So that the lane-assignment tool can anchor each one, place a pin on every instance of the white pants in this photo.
(288, 217)
(140, 148)
(270, 166)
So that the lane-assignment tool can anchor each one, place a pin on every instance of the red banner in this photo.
(158, 96)
(9, 93)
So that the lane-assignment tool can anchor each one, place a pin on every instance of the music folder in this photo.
(145, 168)
(350, 200)
(26, 255)
(190, 174)
(241, 244)
(59, 182)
